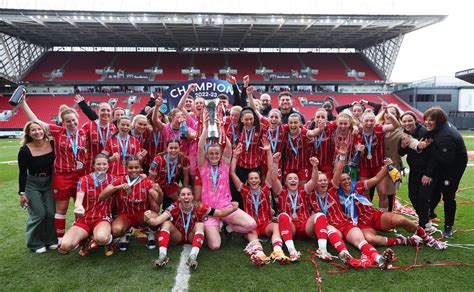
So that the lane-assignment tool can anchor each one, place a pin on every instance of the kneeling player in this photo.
(256, 201)
(92, 215)
(134, 196)
(184, 225)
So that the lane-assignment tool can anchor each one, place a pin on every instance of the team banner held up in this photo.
(206, 88)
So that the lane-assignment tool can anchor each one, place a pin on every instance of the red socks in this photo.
(368, 250)
(60, 224)
(164, 238)
(336, 241)
(284, 224)
(198, 239)
(320, 226)
(420, 232)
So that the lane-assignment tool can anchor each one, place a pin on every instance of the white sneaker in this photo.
(53, 246)
(40, 250)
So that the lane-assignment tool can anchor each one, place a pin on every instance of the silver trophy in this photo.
(211, 106)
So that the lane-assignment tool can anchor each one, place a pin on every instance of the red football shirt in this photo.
(63, 149)
(95, 209)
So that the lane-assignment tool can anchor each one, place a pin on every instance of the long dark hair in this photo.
(256, 120)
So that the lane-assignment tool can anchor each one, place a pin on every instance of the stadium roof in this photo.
(466, 75)
(49, 28)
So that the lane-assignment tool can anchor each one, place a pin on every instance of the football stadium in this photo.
(275, 108)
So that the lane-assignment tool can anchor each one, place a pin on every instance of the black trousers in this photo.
(447, 187)
(420, 196)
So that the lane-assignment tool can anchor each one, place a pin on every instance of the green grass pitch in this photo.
(225, 270)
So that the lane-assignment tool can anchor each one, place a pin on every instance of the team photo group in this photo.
(207, 168)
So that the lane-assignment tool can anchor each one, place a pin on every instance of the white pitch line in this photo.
(183, 275)
(9, 162)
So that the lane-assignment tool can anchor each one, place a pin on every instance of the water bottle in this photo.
(17, 95)
(183, 131)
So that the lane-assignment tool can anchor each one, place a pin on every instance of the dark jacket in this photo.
(448, 149)
(419, 162)
(284, 117)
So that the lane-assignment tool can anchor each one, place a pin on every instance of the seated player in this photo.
(256, 201)
(92, 215)
(325, 199)
(182, 223)
(294, 218)
(134, 195)
(358, 209)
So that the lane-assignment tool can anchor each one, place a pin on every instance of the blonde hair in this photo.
(136, 118)
(64, 110)
(26, 138)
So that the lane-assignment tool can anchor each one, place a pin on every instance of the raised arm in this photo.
(276, 184)
(233, 165)
(394, 122)
(266, 147)
(151, 103)
(201, 155)
(85, 108)
(249, 91)
(313, 182)
(185, 96)
(157, 123)
(341, 159)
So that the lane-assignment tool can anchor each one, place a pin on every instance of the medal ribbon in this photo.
(187, 222)
(294, 201)
(248, 138)
(324, 207)
(317, 142)
(235, 136)
(101, 137)
(295, 150)
(273, 142)
(74, 145)
(214, 174)
(170, 174)
(156, 139)
(124, 148)
(369, 143)
(256, 200)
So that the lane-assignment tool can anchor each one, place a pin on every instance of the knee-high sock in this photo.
(198, 239)
(336, 241)
(367, 249)
(284, 224)
(60, 224)
(321, 230)
(163, 240)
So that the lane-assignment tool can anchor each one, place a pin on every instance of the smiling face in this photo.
(322, 183)
(275, 119)
(70, 121)
(124, 126)
(117, 114)
(133, 168)
(199, 103)
(214, 154)
(285, 102)
(345, 183)
(254, 179)
(173, 149)
(101, 165)
(105, 112)
(430, 123)
(235, 115)
(186, 197)
(357, 110)
(292, 182)
(408, 123)
(320, 116)
(141, 125)
(343, 124)
(265, 99)
(248, 120)
(368, 121)
(36, 132)
(294, 124)
(188, 104)
(327, 106)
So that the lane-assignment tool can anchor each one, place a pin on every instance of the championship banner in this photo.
(206, 88)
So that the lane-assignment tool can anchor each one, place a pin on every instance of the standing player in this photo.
(98, 132)
(134, 195)
(182, 223)
(294, 218)
(372, 137)
(121, 146)
(296, 149)
(69, 164)
(92, 216)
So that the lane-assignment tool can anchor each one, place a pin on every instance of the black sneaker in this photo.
(123, 246)
(448, 232)
(151, 244)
